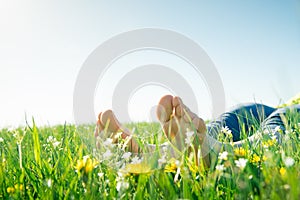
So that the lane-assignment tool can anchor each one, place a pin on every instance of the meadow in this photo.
(62, 162)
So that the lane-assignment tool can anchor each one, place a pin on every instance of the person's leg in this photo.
(177, 120)
(280, 118)
(107, 127)
(247, 115)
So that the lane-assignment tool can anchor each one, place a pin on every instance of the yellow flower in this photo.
(79, 165)
(139, 168)
(255, 158)
(10, 190)
(89, 165)
(171, 166)
(193, 167)
(19, 187)
(269, 143)
(86, 164)
(294, 100)
(282, 171)
(264, 158)
(240, 151)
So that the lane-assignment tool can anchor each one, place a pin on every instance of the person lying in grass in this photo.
(179, 123)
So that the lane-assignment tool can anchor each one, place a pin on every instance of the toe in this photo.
(176, 101)
(199, 125)
(180, 109)
(108, 119)
(165, 108)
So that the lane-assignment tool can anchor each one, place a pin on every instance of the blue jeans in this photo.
(246, 116)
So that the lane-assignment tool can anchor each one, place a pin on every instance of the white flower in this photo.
(190, 134)
(118, 135)
(85, 158)
(177, 175)
(107, 154)
(50, 139)
(126, 155)
(162, 160)
(53, 141)
(288, 161)
(136, 160)
(241, 163)
(49, 182)
(121, 185)
(226, 130)
(188, 140)
(100, 174)
(274, 137)
(1, 139)
(223, 155)
(220, 168)
(277, 129)
(55, 144)
(108, 142)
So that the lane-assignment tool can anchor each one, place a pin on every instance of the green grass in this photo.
(52, 163)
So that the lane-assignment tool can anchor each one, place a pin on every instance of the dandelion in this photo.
(223, 155)
(19, 187)
(241, 163)
(10, 190)
(282, 171)
(89, 165)
(86, 164)
(126, 155)
(220, 168)
(288, 161)
(264, 158)
(1, 139)
(239, 151)
(139, 168)
(255, 158)
(172, 165)
(270, 143)
(107, 154)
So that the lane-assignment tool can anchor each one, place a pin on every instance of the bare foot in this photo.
(177, 119)
(108, 126)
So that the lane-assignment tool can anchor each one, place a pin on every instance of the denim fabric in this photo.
(245, 116)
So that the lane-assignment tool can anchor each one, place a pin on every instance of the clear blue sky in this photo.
(255, 46)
